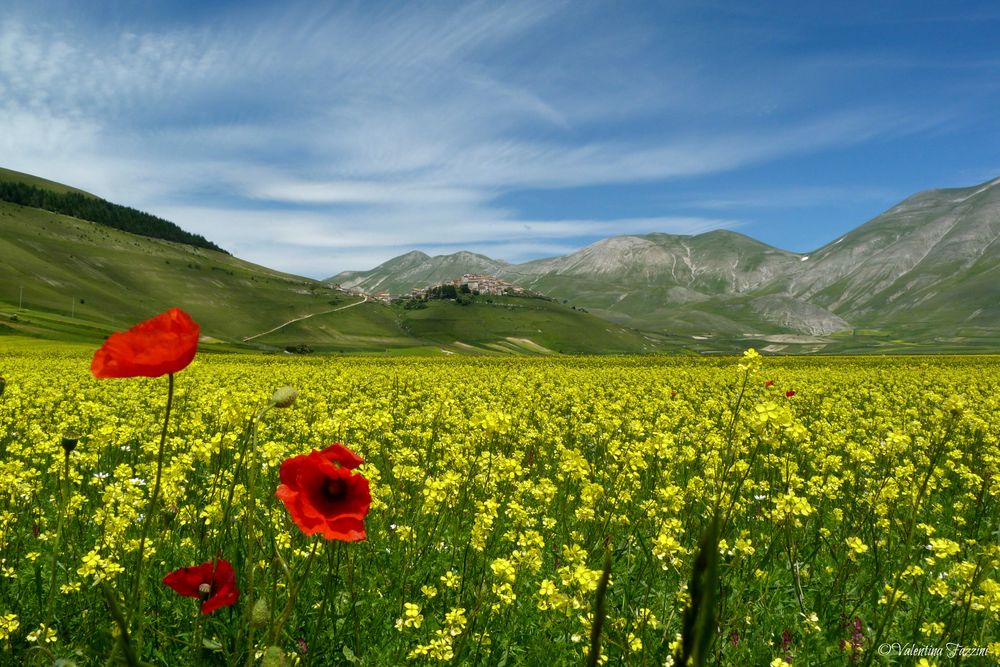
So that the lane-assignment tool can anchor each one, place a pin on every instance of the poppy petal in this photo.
(347, 529)
(220, 578)
(322, 495)
(290, 469)
(186, 580)
(224, 591)
(342, 455)
(164, 344)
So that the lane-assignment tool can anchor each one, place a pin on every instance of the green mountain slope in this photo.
(926, 273)
(75, 280)
(661, 281)
(929, 264)
(416, 269)
(525, 323)
(33, 192)
(11, 176)
(60, 265)
(488, 325)
(923, 276)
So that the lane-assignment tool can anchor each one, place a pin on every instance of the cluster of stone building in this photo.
(477, 283)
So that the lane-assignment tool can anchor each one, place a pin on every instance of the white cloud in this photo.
(361, 192)
(319, 244)
(314, 139)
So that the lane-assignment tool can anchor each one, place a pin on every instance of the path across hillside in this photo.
(305, 317)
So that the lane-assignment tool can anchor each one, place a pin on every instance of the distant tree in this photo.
(442, 292)
(101, 212)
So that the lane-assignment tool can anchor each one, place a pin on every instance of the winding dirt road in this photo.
(305, 317)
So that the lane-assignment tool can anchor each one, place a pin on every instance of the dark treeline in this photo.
(443, 292)
(102, 212)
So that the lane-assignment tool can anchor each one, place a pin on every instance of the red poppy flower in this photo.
(769, 383)
(324, 496)
(789, 393)
(165, 344)
(213, 582)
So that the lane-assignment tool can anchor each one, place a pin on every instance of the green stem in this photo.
(137, 588)
(597, 625)
(290, 603)
(64, 501)
(199, 633)
(327, 589)
(354, 603)
(124, 644)
(251, 532)
(935, 456)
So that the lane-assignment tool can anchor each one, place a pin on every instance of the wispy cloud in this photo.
(307, 238)
(785, 198)
(315, 139)
(361, 192)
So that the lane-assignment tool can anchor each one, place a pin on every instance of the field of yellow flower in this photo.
(857, 499)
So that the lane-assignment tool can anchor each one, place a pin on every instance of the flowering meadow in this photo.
(472, 506)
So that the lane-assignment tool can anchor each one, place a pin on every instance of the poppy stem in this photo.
(328, 588)
(293, 593)
(135, 613)
(199, 633)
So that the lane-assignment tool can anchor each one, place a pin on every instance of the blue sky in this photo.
(317, 137)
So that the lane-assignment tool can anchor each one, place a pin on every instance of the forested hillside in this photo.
(95, 209)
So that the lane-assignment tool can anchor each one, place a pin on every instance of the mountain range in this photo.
(926, 269)
(923, 276)
(73, 279)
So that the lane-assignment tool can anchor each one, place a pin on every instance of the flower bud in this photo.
(69, 440)
(284, 397)
(274, 657)
(260, 614)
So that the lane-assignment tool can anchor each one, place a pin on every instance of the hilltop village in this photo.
(469, 283)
